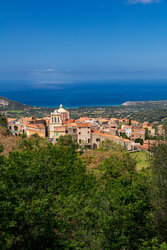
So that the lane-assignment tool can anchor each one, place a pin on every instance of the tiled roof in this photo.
(108, 135)
(103, 120)
(134, 122)
(10, 119)
(36, 126)
(68, 121)
(114, 119)
(81, 119)
(60, 129)
(71, 124)
(84, 125)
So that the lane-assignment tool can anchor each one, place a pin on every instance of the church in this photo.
(56, 128)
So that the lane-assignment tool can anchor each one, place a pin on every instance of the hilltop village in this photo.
(88, 132)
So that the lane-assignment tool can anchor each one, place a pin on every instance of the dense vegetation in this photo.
(53, 198)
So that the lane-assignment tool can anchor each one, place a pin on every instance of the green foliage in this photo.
(67, 140)
(3, 121)
(138, 140)
(50, 199)
(158, 188)
(15, 127)
(1, 148)
(124, 136)
(142, 159)
(109, 145)
(42, 199)
(125, 218)
(33, 142)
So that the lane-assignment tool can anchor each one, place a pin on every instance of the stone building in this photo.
(39, 129)
(84, 133)
(98, 137)
(161, 130)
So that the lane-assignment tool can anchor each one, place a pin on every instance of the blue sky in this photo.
(68, 40)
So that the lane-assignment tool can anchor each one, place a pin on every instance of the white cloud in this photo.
(50, 70)
(143, 1)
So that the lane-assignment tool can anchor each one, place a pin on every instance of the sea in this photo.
(83, 94)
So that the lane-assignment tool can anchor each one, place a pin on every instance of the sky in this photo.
(72, 40)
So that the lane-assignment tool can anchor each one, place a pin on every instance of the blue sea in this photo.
(79, 94)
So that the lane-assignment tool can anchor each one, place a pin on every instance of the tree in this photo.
(158, 188)
(3, 121)
(42, 199)
(124, 136)
(109, 145)
(1, 148)
(125, 216)
(139, 140)
(67, 140)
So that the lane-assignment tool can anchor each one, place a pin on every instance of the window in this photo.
(80, 141)
(88, 140)
(56, 139)
(79, 133)
(57, 133)
(98, 139)
(66, 131)
(88, 132)
(74, 130)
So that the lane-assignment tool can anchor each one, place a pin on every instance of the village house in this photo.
(84, 133)
(161, 130)
(138, 134)
(35, 129)
(98, 137)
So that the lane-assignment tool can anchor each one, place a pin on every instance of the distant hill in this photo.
(146, 104)
(7, 104)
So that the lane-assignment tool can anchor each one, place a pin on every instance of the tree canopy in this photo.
(51, 199)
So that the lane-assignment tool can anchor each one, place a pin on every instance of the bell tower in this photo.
(55, 118)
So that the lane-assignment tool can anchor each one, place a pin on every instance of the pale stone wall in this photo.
(40, 132)
(84, 135)
(73, 132)
(98, 138)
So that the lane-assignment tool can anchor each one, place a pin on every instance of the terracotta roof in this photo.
(126, 126)
(11, 123)
(37, 126)
(60, 129)
(71, 124)
(81, 119)
(138, 130)
(84, 125)
(135, 122)
(103, 120)
(115, 119)
(10, 119)
(68, 121)
(143, 146)
(22, 127)
(109, 135)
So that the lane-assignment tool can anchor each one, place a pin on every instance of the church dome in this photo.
(61, 109)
